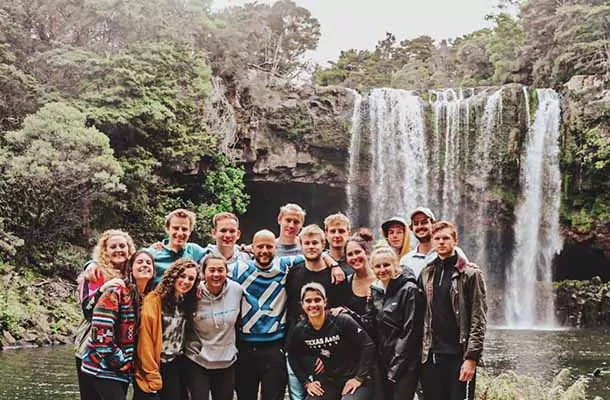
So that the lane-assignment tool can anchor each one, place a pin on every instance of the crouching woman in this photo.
(165, 312)
(339, 347)
(211, 348)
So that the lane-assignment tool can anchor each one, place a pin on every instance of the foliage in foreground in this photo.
(511, 386)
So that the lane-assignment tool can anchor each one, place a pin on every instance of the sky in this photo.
(360, 24)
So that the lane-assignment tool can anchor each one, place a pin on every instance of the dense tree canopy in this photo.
(133, 102)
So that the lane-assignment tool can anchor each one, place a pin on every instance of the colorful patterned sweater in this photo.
(109, 353)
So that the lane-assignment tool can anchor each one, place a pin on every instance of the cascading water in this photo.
(528, 114)
(462, 166)
(479, 176)
(399, 168)
(451, 119)
(354, 157)
(537, 238)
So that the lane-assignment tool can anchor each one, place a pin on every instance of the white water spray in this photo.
(479, 177)
(354, 157)
(537, 237)
(528, 114)
(399, 160)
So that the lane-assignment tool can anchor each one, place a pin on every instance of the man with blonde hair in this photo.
(338, 229)
(312, 269)
(290, 219)
(226, 233)
(179, 225)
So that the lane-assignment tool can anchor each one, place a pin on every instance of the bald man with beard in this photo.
(263, 319)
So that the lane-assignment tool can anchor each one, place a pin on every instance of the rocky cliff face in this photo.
(294, 134)
(586, 155)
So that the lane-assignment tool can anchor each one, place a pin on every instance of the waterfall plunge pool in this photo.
(49, 373)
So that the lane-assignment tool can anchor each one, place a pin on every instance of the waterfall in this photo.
(354, 157)
(484, 157)
(537, 238)
(452, 153)
(399, 167)
(528, 114)
(445, 183)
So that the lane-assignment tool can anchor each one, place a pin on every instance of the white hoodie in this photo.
(211, 341)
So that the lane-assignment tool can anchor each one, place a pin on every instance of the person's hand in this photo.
(314, 388)
(467, 370)
(337, 310)
(91, 273)
(338, 275)
(112, 282)
(246, 248)
(319, 366)
(350, 386)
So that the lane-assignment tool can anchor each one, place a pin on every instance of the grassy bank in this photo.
(36, 310)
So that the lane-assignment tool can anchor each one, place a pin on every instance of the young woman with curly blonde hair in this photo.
(109, 260)
(165, 312)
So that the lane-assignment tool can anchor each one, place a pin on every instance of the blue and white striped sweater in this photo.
(263, 310)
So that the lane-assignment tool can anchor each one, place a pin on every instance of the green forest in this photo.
(112, 113)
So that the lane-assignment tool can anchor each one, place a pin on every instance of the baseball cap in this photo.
(423, 210)
(394, 220)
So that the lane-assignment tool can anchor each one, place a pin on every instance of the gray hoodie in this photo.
(211, 340)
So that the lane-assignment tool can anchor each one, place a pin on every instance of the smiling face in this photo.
(356, 256)
(337, 234)
(143, 267)
(290, 223)
(117, 249)
(313, 304)
(312, 247)
(263, 247)
(179, 230)
(396, 236)
(215, 275)
(421, 225)
(185, 281)
(384, 267)
(226, 233)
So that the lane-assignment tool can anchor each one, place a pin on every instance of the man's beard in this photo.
(315, 258)
(264, 264)
(424, 239)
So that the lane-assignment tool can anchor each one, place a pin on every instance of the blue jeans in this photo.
(295, 387)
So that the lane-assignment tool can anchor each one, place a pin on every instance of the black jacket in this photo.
(395, 315)
(341, 343)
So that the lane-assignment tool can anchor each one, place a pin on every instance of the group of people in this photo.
(357, 320)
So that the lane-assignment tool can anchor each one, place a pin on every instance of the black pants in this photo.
(404, 388)
(440, 379)
(264, 364)
(332, 391)
(86, 387)
(201, 381)
(173, 384)
(109, 389)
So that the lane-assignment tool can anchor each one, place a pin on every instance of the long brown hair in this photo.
(165, 289)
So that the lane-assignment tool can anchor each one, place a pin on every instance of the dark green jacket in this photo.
(468, 300)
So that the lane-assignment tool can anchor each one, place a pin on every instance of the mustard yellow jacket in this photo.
(150, 341)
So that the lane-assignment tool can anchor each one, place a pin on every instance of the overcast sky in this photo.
(361, 23)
